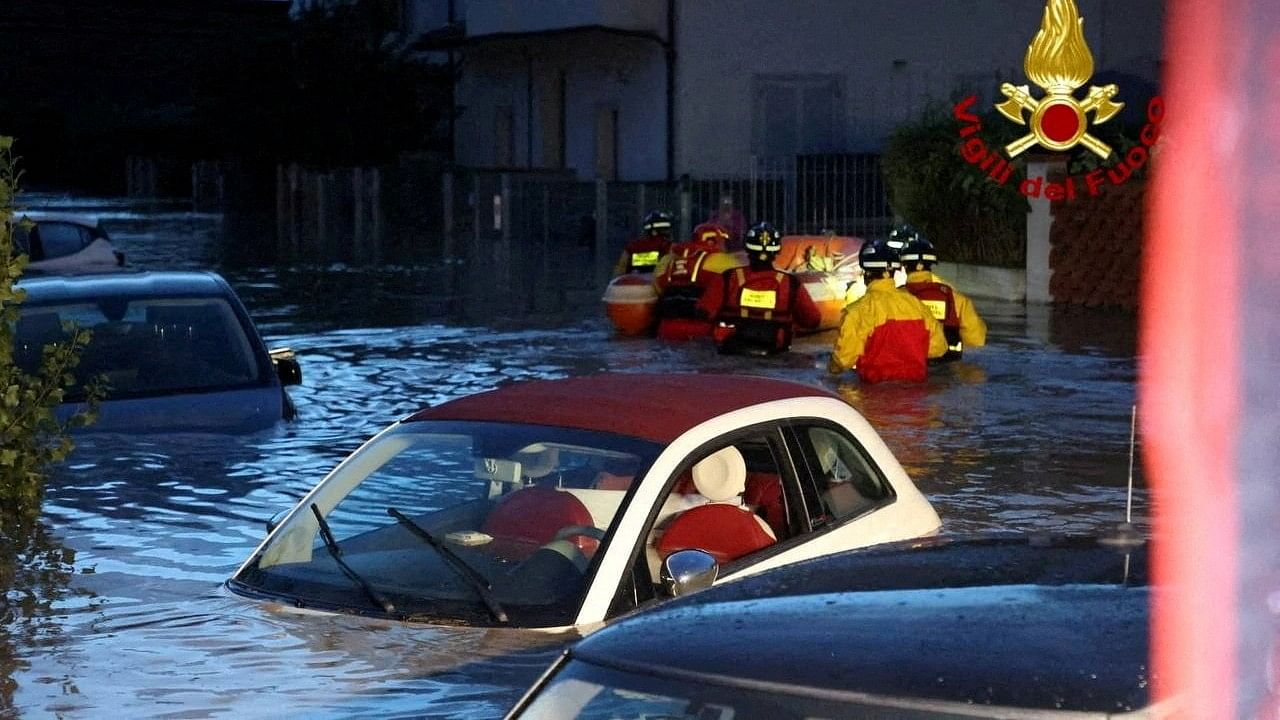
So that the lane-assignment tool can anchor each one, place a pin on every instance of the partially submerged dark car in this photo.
(64, 243)
(1006, 627)
(177, 351)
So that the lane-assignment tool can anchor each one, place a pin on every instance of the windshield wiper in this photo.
(336, 553)
(475, 579)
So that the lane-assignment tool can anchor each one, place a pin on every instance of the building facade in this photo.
(652, 89)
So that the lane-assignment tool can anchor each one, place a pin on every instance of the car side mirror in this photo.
(274, 521)
(688, 571)
(287, 367)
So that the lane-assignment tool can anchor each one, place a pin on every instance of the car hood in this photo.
(1000, 623)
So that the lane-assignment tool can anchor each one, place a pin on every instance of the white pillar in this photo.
(1039, 223)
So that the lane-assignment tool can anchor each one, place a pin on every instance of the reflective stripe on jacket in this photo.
(642, 254)
(887, 334)
(970, 328)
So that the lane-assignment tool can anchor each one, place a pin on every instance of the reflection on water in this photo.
(1029, 433)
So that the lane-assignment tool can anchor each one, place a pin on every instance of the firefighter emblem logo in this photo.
(1060, 63)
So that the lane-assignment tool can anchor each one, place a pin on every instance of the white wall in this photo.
(601, 70)
(722, 44)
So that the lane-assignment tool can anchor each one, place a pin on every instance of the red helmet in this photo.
(710, 233)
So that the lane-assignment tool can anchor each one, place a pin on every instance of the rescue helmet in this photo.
(711, 233)
(656, 223)
(901, 236)
(763, 238)
(919, 251)
(877, 256)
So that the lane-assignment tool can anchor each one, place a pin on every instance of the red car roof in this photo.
(652, 407)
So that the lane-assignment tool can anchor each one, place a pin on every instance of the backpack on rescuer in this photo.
(756, 313)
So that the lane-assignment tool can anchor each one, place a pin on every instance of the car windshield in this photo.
(431, 517)
(145, 346)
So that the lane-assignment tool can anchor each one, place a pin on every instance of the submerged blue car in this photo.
(177, 351)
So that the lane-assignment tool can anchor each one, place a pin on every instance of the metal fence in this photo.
(542, 240)
(538, 240)
(800, 195)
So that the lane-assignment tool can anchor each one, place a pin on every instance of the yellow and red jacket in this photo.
(642, 254)
(960, 321)
(887, 334)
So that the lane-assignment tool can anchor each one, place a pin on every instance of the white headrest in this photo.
(721, 476)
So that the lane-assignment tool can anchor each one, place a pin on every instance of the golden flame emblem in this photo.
(1058, 60)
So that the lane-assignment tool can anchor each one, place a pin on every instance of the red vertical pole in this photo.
(1189, 387)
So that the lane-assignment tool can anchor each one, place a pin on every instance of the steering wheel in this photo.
(569, 531)
(585, 537)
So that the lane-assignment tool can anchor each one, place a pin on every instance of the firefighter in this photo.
(960, 321)
(759, 306)
(683, 276)
(887, 334)
(641, 255)
(899, 238)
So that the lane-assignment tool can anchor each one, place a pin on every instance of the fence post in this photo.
(295, 242)
(357, 215)
(602, 233)
(282, 228)
(320, 209)
(686, 208)
(446, 216)
(375, 214)
(1039, 226)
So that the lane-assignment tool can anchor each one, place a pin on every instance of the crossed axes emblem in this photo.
(1099, 102)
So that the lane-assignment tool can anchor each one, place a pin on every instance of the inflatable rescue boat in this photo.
(826, 264)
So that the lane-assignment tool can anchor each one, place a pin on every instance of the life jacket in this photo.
(684, 280)
(941, 301)
(643, 253)
(756, 310)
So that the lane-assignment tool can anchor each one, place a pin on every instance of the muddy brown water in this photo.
(1030, 433)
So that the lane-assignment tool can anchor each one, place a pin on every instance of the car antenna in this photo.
(1126, 535)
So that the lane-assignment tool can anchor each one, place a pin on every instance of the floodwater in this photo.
(1030, 433)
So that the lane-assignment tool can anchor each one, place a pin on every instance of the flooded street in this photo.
(1030, 433)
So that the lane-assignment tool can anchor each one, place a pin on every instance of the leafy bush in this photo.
(953, 203)
(31, 436)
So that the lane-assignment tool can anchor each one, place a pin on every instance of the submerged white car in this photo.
(552, 504)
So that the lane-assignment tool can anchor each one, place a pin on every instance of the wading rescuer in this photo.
(641, 255)
(760, 307)
(887, 334)
(960, 321)
(683, 277)
(899, 238)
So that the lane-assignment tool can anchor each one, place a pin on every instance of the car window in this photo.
(146, 346)
(61, 238)
(842, 478)
(751, 491)
(523, 506)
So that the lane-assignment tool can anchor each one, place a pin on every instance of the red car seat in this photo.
(764, 492)
(529, 518)
(722, 528)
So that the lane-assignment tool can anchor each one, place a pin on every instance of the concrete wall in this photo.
(601, 71)
(891, 59)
